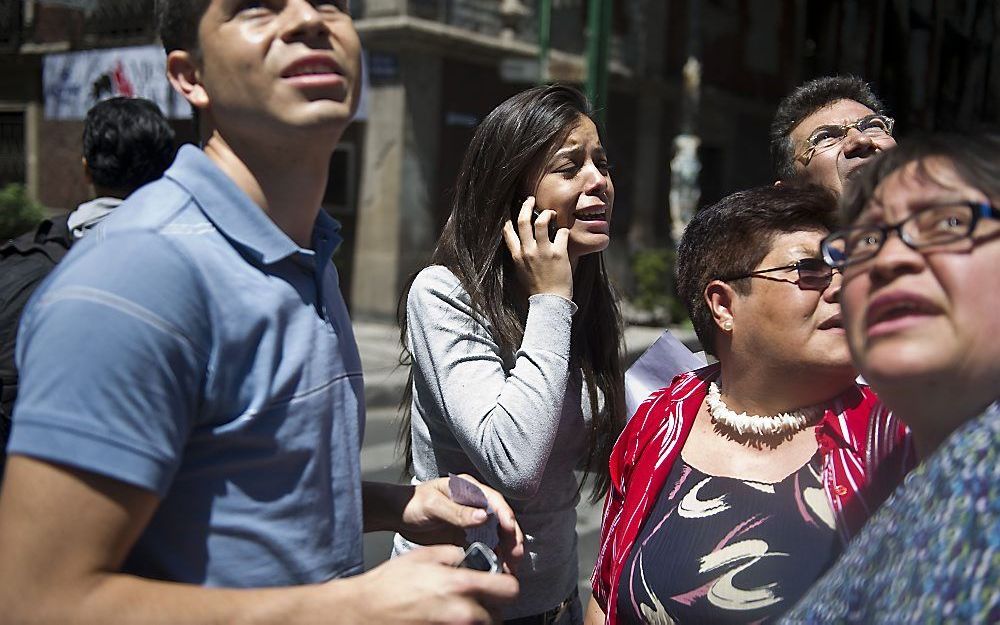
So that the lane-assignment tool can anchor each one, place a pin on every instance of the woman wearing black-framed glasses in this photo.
(943, 226)
(921, 295)
(735, 486)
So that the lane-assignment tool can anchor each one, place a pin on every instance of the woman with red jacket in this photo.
(735, 487)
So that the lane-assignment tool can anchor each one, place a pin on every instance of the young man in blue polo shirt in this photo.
(186, 440)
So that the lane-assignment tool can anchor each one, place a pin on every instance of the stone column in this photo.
(396, 228)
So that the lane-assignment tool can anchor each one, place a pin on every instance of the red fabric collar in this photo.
(855, 434)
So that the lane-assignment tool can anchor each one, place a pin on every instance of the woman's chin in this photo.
(834, 368)
(588, 243)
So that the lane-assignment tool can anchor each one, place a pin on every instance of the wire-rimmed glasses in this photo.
(824, 137)
(937, 226)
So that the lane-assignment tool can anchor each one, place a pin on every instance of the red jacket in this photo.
(866, 454)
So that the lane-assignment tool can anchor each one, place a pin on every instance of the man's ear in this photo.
(721, 299)
(185, 76)
(86, 170)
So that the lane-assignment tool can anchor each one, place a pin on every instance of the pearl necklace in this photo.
(782, 424)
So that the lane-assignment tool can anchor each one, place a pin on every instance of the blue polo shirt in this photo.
(190, 348)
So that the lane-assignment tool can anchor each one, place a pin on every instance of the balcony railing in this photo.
(487, 17)
(93, 24)
(120, 21)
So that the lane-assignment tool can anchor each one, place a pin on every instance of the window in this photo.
(12, 168)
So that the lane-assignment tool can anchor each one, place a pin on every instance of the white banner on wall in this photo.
(75, 81)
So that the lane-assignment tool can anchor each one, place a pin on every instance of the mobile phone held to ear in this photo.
(479, 557)
(553, 227)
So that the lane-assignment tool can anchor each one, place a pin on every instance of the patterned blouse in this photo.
(866, 452)
(725, 550)
(931, 554)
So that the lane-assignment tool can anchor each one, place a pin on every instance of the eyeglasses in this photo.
(825, 137)
(933, 226)
(814, 274)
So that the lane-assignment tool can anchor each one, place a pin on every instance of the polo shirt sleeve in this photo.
(113, 354)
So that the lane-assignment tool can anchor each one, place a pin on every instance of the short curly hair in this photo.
(732, 236)
(805, 100)
(127, 142)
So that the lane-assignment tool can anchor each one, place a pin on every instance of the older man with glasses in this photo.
(825, 129)
(821, 134)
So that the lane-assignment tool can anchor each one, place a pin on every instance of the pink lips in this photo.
(596, 224)
(314, 70)
(832, 323)
(897, 310)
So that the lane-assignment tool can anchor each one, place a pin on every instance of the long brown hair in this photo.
(501, 166)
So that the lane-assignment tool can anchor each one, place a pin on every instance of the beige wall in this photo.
(396, 227)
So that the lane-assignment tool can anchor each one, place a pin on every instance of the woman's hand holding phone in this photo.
(542, 264)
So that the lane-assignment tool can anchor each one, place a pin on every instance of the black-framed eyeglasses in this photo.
(933, 226)
(814, 274)
(825, 137)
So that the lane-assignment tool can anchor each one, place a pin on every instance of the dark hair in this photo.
(502, 164)
(975, 156)
(805, 100)
(732, 236)
(177, 23)
(127, 143)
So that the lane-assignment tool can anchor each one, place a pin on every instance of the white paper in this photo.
(664, 359)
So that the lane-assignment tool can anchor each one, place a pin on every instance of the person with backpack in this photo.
(126, 143)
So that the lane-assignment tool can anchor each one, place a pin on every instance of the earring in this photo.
(727, 325)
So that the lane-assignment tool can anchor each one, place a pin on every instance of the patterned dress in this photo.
(865, 453)
(726, 550)
(931, 554)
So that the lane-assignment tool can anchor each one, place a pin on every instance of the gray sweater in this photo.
(517, 422)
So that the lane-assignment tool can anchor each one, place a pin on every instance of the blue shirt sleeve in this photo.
(113, 353)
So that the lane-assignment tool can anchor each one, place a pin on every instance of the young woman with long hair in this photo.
(515, 337)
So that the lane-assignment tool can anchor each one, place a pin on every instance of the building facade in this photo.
(435, 68)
